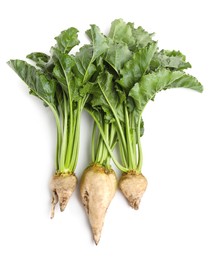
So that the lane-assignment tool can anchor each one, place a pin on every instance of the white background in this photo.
(176, 218)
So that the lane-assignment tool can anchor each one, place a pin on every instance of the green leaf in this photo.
(173, 60)
(135, 38)
(150, 84)
(95, 112)
(59, 75)
(186, 81)
(117, 55)
(98, 41)
(38, 82)
(141, 127)
(40, 58)
(86, 89)
(136, 115)
(63, 72)
(104, 94)
(121, 32)
(67, 40)
(89, 53)
(85, 67)
(59, 99)
(105, 80)
(174, 54)
(137, 66)
(142, 37)
(66, 62)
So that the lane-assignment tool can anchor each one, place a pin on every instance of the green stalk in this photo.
(99, 150)
(106, 143)
(93, 142)
(129, 141)
(117, 120)
(64, 138)
(59, 135)
(133, 135)
(105, 151)
(140, 152)
(109, 132)
(106, 131)
(75, 148)
(70, 134)
(123, 157)
(112, 134)
(112, 141)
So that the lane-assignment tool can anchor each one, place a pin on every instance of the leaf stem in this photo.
(93, 142)
(59, 135)
(70, 134)
(123, 157)
(140, 152)
(64, 138)
(133, 134)
(112, 131)
(99, 150)
(129, 141)
(117, 120)
(75, 148)
(119, 166)
(105, 151)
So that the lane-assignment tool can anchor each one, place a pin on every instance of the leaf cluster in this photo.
(131, 72)
(113, 78)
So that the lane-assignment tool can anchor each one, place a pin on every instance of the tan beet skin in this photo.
(62, 187)
(133, 186)
(97, 189)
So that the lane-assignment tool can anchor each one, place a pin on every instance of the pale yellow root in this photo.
(62, 187)
(97, 189)
(133, 186)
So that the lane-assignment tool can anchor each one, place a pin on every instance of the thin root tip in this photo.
(63, 204)
(96, 238)
(136, 207)
(96, 242)
(135, 203)
(53, 204)
(62, 208)
(52, 211)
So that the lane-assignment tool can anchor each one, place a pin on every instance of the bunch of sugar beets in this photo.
(112, 77)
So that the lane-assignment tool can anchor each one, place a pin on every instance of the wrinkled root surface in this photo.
(97, 189)
(133, 186)
(62, 187)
